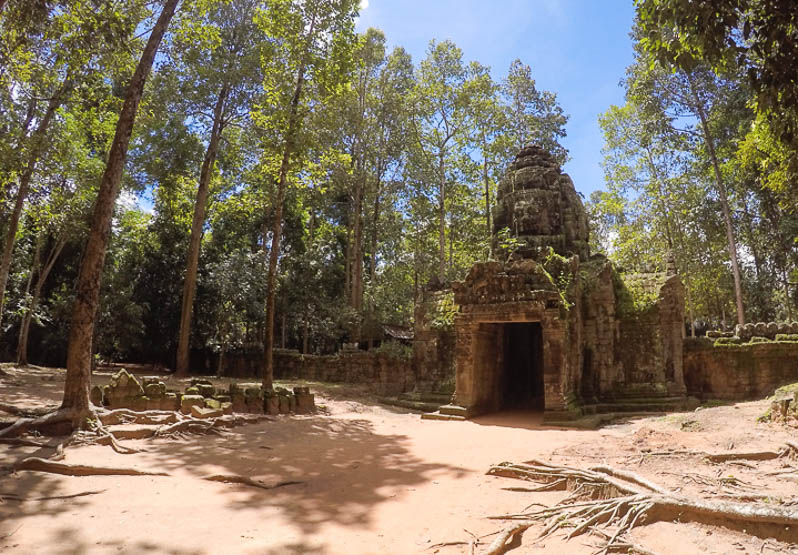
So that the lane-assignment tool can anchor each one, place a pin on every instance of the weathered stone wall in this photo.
(388, 375)
(737, 372)
(434, 342)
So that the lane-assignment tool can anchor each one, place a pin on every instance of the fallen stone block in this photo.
(189, 401)
(96, 395)
(305, 402)
(203, 412)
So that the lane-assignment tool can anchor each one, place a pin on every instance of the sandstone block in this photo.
(96, 395)
(203, 412)
(189, 401)
(305, 403)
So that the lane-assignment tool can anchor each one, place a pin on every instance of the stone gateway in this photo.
(550, 326)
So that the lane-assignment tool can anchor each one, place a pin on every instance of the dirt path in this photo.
(375, 480)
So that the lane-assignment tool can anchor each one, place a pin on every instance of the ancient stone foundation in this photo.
(201, 399)
(733, 369)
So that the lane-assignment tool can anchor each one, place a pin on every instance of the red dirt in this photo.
(376, 480)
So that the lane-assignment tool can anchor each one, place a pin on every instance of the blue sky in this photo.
(577, 49)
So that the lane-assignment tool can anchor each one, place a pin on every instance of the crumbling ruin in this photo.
(551, 326)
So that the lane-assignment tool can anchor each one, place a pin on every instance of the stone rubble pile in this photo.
(201, 399)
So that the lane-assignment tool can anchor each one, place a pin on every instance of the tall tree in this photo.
(76, 405)
(532, 116)
(441, 115)
(226, 69)
(311, 38)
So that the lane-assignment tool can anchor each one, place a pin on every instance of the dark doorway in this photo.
(523, 366)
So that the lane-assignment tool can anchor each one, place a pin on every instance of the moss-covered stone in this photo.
(212, 403)
(721, 341)
(189, 401)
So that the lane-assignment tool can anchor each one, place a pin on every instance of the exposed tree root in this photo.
(127, 416)
(245, 481)
(46, 422)
(27, 413)
(15, 497)
(43, 465)
(22, 442)
(790, 448)
(623, 499)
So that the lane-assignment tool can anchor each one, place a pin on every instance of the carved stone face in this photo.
(540, 207)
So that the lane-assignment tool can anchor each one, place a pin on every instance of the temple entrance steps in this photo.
(418, 401)
(642, 404)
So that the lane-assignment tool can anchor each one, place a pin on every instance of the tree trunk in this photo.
(305, 335)
(357, 252)
(190, 283)
(724, 203)
(36, 147)
(441, 219)
(22, 345)
(79, 350)
(486, 182)
(277, 227)
(22, 360)
(374, 235)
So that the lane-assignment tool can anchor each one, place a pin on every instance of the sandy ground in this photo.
(374, 481)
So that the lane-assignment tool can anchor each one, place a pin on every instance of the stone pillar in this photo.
(554, 366)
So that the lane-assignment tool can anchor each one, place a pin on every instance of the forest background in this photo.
(307, 182)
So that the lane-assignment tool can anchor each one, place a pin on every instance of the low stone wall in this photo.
(738, 371)
(388, 375)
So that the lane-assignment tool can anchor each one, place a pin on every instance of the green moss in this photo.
(443, 311)
(786, 391)
(557, 270)
(721, 341)
(712, 403)
(759, 339)
(787, 337)
(636, 293)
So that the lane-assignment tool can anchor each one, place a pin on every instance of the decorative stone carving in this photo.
(537, 202)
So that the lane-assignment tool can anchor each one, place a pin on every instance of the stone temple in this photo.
(550, 326)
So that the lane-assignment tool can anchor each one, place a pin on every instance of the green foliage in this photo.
(558, 271)
(441, 317)
(395, 349)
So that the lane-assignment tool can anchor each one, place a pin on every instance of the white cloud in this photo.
(364, 4)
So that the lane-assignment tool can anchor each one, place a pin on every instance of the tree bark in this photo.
(190, 283)
(357, 252)
(724, 203)
(24, 332)
(79, 350)
(36, 147)
(277, 227)
(486, 181)
(441, 218)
